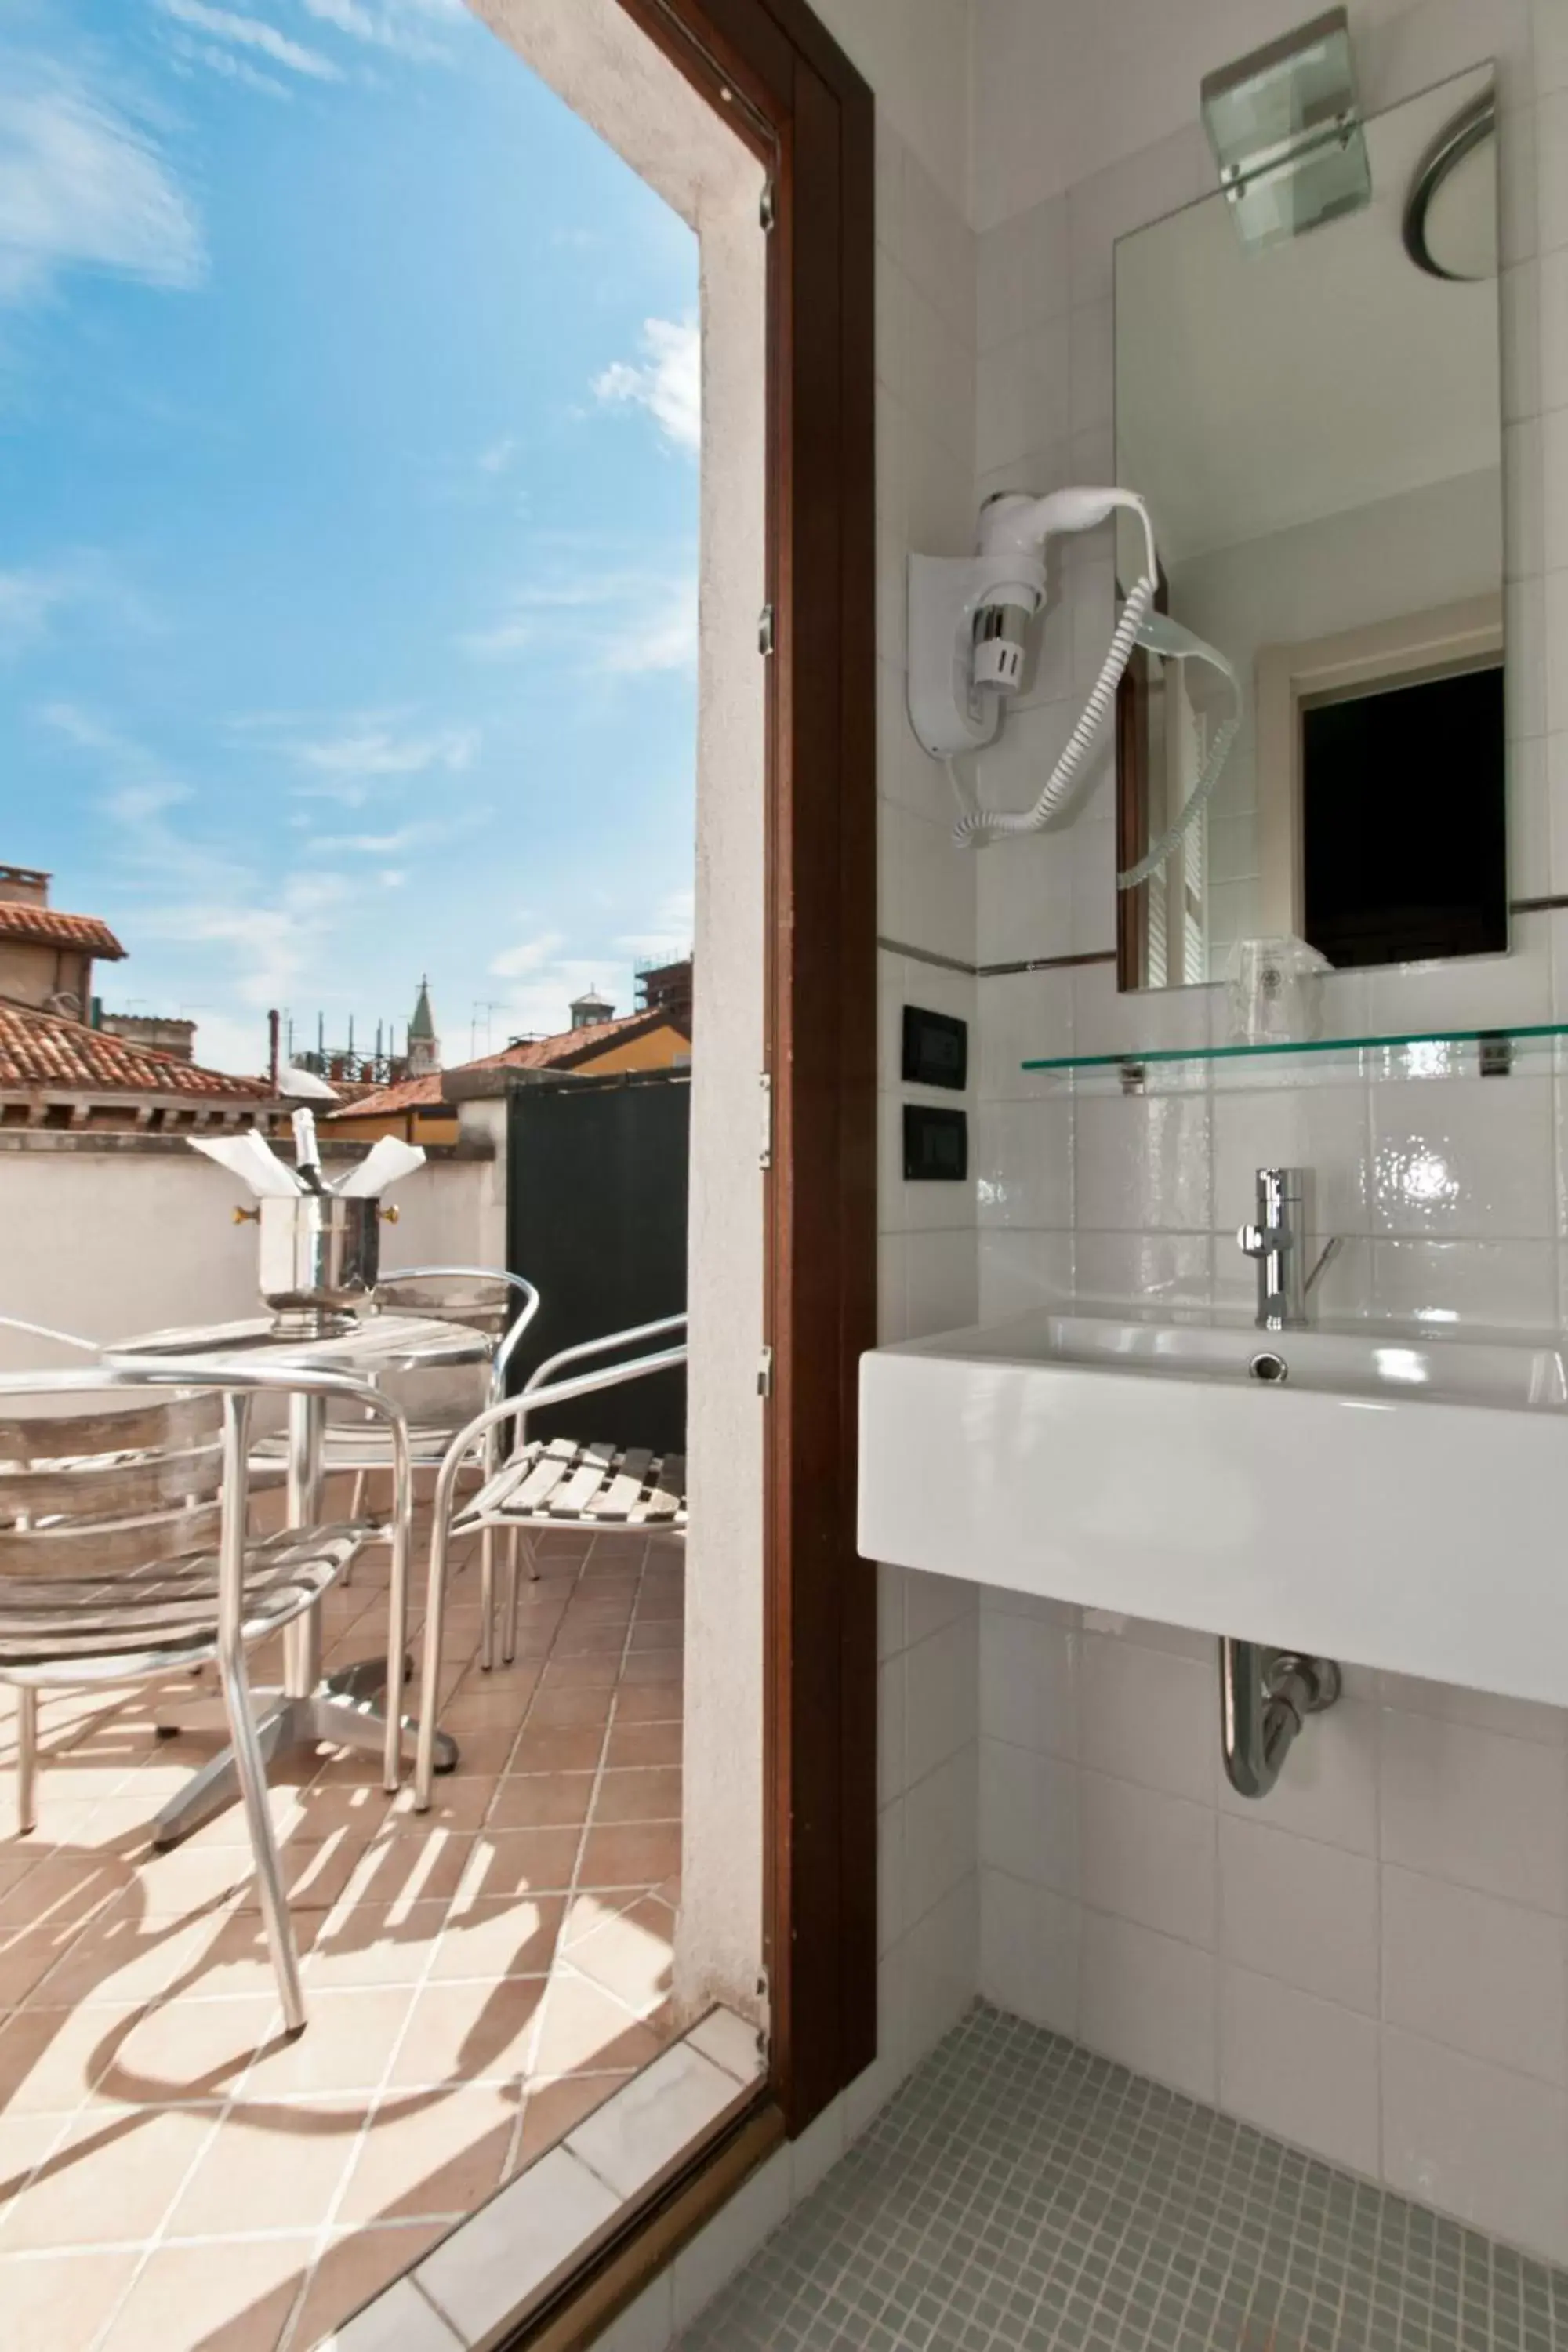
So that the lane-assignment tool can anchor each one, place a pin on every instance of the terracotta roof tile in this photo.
(562, 1052)
(45, 1053)
(47, 926)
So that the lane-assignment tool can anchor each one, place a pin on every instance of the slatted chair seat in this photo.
(144, 1621)
(545, 1483)
(554, 1483)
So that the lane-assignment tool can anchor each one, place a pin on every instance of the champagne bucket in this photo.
(319, 1251)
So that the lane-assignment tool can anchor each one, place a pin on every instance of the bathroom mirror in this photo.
(1316, 425)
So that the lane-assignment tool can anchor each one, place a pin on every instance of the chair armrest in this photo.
(586, 1348)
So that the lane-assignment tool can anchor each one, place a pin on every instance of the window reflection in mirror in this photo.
(1317, 427)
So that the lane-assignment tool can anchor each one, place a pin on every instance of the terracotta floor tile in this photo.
(531, 1801)
(126, 1958)
(278, 2166)
(647, 1703)
(347, 2042)
(631, 1956)
(656, 1634)
(482, 1708)
(652, 1795)
(148, 2001)
(62, 2301)
(55, 1890)
(26, 1955)
(510, 1937)
(425, 2157)
(570, 1708)
(459, 1800)
(180, 2051)
(227, 2296)
(642, 1744)
(637, 1855)
(554, 2108)
(50, 2058)
(110, 2179)
(469, 2033)
(521, 1862)
(544, 1748)
(590, 1672)
(375, 1944)
(582, 2029)
(412, 1864)
(24, 2141)
(485, 1754)
(592, 1637)
(357, 2264)
(642, 1666)
(233, 1958)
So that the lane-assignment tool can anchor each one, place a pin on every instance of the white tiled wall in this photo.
(927, 1270)
(1373, 1961)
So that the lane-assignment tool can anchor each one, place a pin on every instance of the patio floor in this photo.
(172, 2173)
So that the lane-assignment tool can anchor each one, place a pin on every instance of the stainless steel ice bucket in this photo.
(319, 1251)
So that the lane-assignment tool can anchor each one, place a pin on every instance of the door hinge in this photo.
(765, 1373)
(765, 630)
(767, 210)
(765, 1149)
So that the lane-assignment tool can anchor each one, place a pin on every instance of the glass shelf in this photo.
(1432, 1053)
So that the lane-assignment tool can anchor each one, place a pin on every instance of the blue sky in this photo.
(348, 517)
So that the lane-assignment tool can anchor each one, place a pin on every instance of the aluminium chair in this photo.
(502, 1305)
(124, 1558)
(548, 1485)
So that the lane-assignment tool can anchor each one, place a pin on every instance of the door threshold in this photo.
(499, 2270)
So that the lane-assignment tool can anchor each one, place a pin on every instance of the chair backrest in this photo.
(94, 1481)
(479, 1302)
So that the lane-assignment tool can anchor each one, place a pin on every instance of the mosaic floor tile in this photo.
(1020, 2195)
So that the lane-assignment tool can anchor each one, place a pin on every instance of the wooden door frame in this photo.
(770, 71)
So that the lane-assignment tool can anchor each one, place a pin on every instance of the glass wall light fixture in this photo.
(1287, 132)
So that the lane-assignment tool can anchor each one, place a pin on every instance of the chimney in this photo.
(23, 886)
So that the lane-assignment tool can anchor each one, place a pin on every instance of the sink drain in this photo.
(1267, 1366)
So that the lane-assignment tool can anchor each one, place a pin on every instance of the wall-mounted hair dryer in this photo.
(968, 620)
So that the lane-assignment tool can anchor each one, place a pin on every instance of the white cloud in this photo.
(348, 764)
(393, 26)
(670, 932)
(667, 381)
(34, 598)
(251, 33)
(517, 962)
(621, 625)
(662, 640)
(227, 68)
(82, 187)
(499, 455)
(29, 601)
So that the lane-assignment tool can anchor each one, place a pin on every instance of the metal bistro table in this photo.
(346, 1709)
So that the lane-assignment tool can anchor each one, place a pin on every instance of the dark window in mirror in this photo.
(1403, 822)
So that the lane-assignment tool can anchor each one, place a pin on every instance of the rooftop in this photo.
(562, 1052)
(48, 927)
(45, 1050)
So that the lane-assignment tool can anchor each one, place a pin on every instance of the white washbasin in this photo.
(1395, 1501)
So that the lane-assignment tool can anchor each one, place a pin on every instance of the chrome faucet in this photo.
(1277, 1240)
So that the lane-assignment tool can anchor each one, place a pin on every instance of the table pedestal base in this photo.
(345, 1711)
